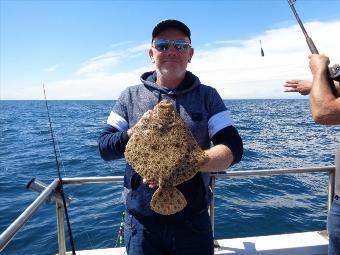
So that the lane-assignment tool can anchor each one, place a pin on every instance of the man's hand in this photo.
(152, 184)
(301, 86)
(318, 63)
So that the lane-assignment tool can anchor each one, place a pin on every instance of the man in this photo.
(325, 109)
(200, 106)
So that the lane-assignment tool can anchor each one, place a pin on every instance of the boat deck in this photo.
(306, 243)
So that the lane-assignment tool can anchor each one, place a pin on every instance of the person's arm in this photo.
(227, 150)
(220, 158)
(325, 107)
(115, 135)
(112, 143)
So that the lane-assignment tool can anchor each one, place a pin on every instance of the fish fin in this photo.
(167, 201)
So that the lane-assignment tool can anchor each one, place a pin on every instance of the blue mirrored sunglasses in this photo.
(164, 45)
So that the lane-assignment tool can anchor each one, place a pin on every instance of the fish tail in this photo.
(167, 201)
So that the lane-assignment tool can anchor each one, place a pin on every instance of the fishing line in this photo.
(89, 239)
(59, 177)
(59, 151)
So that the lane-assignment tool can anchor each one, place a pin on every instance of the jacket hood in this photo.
(190, 82)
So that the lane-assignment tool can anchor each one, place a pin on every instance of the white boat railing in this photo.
(50, 192)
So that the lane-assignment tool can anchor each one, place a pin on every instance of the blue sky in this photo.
(94, 49)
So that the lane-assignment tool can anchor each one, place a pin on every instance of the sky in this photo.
(93, 50)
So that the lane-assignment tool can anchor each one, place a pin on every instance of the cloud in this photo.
(51, 68)
(235, 68)
(114, 45)
(139, 48)
(241, 72)
(99, 86)
(98, 64)
(103, 64)
(226, 42)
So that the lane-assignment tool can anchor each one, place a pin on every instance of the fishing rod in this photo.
(334, 71)
(59, 177)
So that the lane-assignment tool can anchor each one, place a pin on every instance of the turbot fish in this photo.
(163, 150)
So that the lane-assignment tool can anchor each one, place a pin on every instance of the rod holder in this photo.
(38, 186)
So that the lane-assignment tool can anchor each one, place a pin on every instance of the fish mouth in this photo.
(165, 112)
(165, 108)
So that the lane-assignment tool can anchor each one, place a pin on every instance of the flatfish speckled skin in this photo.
(163, 150)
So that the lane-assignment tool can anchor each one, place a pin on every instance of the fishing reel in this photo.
(334, 72)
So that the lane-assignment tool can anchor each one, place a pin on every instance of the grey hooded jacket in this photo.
(204, 112)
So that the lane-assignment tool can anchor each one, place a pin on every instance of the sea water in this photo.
(276, 134)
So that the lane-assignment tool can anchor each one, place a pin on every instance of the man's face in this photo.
(171, 61)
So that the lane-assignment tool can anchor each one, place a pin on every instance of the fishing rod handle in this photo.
(311, 46)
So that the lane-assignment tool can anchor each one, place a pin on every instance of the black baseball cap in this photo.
(170, 23)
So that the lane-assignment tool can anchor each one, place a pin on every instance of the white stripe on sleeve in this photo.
(117, 121)
(218, 122)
